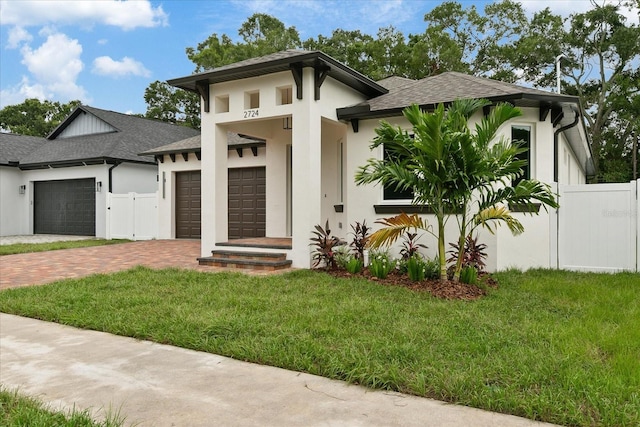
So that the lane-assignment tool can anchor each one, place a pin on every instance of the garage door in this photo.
(247, 203)
(65, 207)
(188, 188)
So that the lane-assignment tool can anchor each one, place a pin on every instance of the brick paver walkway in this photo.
(45, 267)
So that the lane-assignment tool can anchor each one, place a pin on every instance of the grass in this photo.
(18, 411)
(548, 345)
(23, 248)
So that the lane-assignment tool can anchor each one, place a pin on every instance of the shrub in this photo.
(416, 268)
(342, 256)
(432, 268)
(360, 237)
(410, 245)
(469, 275)
(474, 254)
(354, 265)
(380, 264)
(324, 244)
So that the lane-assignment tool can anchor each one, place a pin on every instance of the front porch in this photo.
(255, 253)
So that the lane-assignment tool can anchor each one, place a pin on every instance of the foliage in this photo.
(554, 346)
(324, 244)
(354, 265)
(469, 275)
(452, 169)
(19, 410)
(342, 255)
(431, 268)
(380, 264)
(34, 117)
(172, 105)
(360, 235)
(416, 268)
(410, 245)
(473, 256)
(22, 248)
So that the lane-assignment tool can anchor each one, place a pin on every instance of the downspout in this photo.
(556, 136)
(115, 165)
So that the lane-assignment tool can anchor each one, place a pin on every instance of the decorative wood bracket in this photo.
(239, 151)
(185, 156)
(486, 110)
(203, 90)
(160, 158)
(545, 108)
(320, 73)
(355, 125)
(296, 70)
(556, 115)
(198, 155)
(172, 156)
(254, 150)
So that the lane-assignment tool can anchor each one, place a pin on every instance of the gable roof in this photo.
(132, 136)
(278, 62)
(446, 88)
(14, 148)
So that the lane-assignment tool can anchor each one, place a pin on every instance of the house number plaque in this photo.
(250, 114)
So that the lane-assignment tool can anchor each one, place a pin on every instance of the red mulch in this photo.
(445, 290)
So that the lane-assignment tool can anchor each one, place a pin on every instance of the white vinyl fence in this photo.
(598, 227)
(132, 216)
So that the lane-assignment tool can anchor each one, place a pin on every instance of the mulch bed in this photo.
(445, 290)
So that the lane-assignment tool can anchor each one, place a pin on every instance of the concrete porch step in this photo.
(247, 260)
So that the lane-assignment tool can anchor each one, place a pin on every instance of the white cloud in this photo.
(56, 65)
(568, 7)
(124, 14)
(18, 35)
(24, 90)
(106, 66)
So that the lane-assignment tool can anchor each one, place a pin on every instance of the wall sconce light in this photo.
(98, 186)
(22, 189)
(287, 123)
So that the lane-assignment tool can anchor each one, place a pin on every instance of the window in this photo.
(222, 104)
(284, 95)
(522, 134)
(390, 192)
(251, 100)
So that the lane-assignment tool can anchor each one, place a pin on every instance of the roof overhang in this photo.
(315, 59)
(81, 162)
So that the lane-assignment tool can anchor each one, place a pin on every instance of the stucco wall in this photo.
(14, 208)
(134, 178)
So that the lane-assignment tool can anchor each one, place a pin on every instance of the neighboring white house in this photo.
(59, 184)
(312, 120)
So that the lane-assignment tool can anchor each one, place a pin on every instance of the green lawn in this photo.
(548, 345)
(22, 248)
(20, 411)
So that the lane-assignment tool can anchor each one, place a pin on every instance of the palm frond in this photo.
(394, 227)
(491, 217)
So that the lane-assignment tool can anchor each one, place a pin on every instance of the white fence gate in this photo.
(598, 227)
(132, 216)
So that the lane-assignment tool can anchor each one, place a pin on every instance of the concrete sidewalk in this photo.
(160, 385)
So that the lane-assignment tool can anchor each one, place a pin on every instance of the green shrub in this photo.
(469, 275)
(354, 265)
(380, 264)
(416, 268)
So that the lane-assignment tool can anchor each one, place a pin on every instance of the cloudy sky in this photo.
(106, 52)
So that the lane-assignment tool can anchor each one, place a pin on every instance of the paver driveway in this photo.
(45, 267)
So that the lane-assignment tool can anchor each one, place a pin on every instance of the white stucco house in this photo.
(59, 184)
(310, 121)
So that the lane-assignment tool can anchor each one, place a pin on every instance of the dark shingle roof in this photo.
(395, 82)
(14, 148)
(445, 88)
(279, 62)
(194, 144)
(134, 135)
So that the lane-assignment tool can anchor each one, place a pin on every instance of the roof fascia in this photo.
(314, 59)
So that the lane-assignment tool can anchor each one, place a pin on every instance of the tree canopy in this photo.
(34, 117)
(600, 49)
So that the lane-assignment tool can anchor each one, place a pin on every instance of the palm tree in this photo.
(456, 172)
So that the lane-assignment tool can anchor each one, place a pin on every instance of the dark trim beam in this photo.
(296, 70)
(203, 89)
(545, 108)
(320, 72)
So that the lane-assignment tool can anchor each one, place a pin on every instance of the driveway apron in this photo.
(45, 267)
